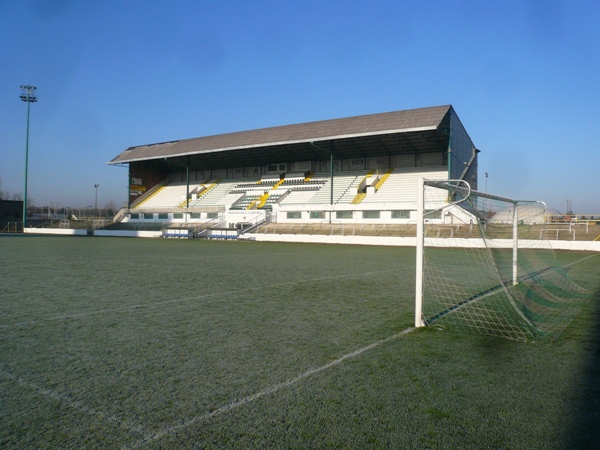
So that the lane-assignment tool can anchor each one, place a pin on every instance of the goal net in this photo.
(482, 265)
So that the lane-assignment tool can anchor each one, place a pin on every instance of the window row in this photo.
(396, 214)
(174, 216)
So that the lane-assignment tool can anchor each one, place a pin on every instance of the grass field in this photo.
(135, 343)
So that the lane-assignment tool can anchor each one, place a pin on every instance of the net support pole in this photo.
(515, 245)
(420, 252)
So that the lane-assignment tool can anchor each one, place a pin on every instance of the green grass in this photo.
(135, 343)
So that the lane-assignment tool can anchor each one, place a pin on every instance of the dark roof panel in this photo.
(408, 121)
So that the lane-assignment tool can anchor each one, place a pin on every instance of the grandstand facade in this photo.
(361, 169)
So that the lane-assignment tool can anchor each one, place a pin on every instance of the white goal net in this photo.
(482, 265)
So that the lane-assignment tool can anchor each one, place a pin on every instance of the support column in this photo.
(187, 183)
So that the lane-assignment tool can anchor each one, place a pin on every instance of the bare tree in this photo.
(110, 208)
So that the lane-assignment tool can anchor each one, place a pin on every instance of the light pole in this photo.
(96, 186)
(569, 207)
(28, 96)
(486, 178)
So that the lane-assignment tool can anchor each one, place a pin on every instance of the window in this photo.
(317, 214)
(433, 214)
(177, 215)
(294, 215)
(163, 215)
(371, 214)
(135, 215)
(343, 214)
(194, 215)
(148, 216)
(280, 167)
(212, 215)
(401, 214)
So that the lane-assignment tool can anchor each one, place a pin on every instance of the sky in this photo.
(523, 77)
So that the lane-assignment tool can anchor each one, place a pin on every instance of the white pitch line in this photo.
(75, 404)
(270, 390)
(187, 299)
(579, 260)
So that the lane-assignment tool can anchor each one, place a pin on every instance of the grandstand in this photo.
(358, 170)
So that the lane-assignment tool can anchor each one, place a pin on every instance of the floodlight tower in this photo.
(96, 186)
(28, 96)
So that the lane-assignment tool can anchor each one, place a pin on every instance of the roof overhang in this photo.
(401, 132)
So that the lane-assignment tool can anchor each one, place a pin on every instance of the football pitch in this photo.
(151, 343)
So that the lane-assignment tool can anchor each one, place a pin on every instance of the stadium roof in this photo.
(412, 131)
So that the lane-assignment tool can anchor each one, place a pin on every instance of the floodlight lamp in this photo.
(27, 94)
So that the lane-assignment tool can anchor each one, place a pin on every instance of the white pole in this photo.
(515, 245)
(420, 249)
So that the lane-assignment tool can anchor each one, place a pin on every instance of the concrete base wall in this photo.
(128, 233)
(587, 246)
(56, 231)
(322, 239)
(411, 241)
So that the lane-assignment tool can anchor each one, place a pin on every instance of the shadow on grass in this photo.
(585, 432)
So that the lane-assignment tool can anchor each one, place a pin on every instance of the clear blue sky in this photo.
(523, 76)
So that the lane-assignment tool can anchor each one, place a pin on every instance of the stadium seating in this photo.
(398, 185)
(216, 196)
(401, 185)
(344, 188)
(169, 196)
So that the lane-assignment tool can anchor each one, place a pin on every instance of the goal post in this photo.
(481, 266)
(420, 249)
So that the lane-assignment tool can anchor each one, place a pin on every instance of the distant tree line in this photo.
(108, 211)
(5, 195)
